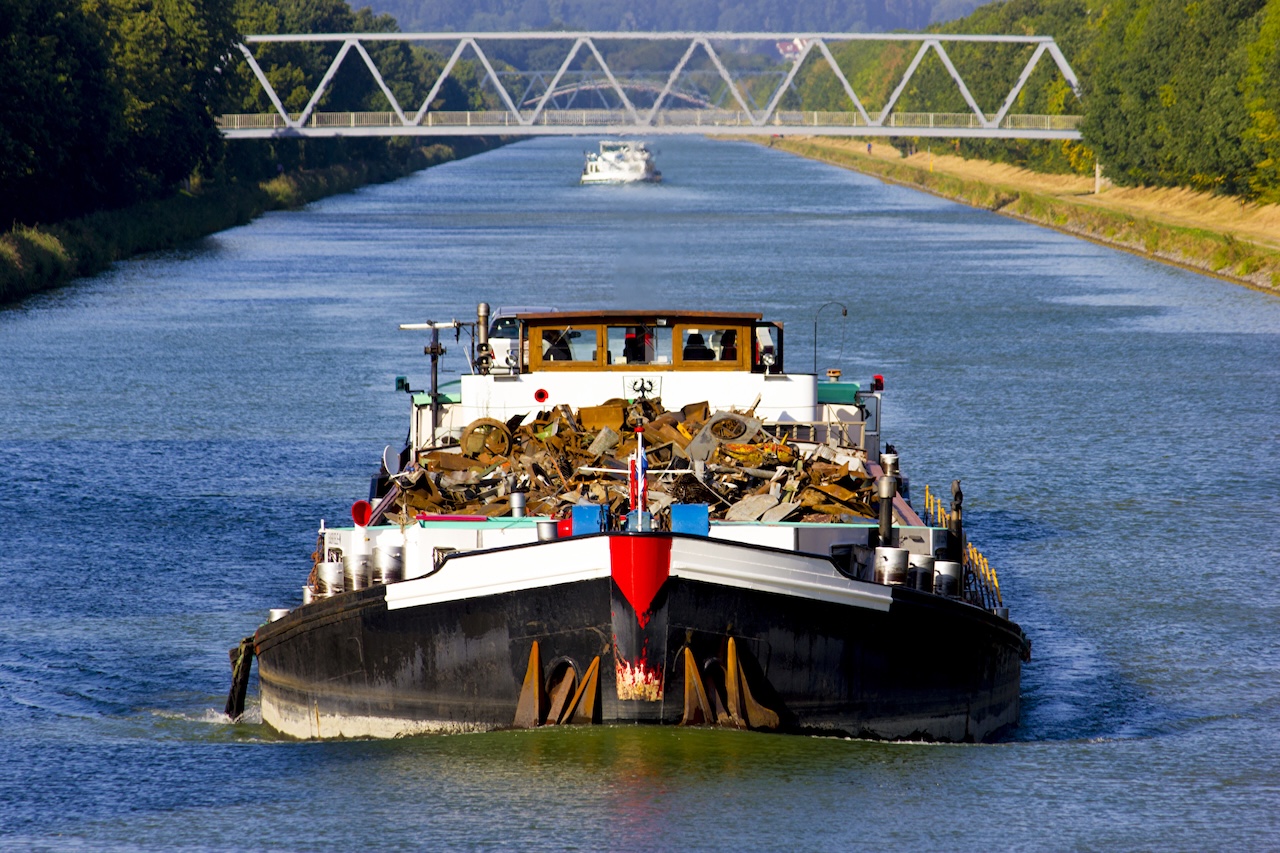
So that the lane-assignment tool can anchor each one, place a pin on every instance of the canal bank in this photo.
(1210, 234)
(38, 258)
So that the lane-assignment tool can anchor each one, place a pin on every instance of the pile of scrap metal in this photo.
(743, 469)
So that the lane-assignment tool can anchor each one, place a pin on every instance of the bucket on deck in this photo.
(388, 565)
(328, 579)
(891, 565)
(948, 577)
(920, 572)
(275, 614)
(355, 571)
(308, 595)
(548, 530)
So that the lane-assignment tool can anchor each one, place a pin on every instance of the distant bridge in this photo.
(603, 88)
(733, 111)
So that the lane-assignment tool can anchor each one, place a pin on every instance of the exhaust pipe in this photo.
(484, 353)
(482, 325)
(885, 490)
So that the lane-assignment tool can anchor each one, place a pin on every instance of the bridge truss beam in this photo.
(748, 119)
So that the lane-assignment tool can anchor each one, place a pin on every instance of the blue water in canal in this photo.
(173, 431)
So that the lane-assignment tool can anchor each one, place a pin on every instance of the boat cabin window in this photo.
(703, 344)
(629, 340)
(639, 344)
(766, 355)
(569, 344)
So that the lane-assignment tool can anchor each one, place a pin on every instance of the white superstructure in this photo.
(620, 163)
(537, 360)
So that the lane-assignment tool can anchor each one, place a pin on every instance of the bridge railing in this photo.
(594, 119)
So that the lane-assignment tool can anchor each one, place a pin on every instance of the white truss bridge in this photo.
(543, 104)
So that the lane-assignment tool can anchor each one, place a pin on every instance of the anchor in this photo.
(739, 708)
(555, 702)
(714, 694)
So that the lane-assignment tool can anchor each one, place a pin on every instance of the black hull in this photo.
(928, 667)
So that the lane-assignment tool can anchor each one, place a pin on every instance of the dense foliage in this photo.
(1186, 94)
(294, 70)
(58, 111)
(105, 103)
(1173, 93)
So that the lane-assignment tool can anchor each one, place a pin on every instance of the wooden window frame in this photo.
(740, 364)
(532, 336)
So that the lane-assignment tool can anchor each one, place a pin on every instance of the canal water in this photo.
(174, 430)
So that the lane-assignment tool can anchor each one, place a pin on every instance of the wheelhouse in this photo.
(639, 341)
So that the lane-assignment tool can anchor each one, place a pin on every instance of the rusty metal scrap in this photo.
(729, 460)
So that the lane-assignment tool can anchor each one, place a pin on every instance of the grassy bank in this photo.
(1218, 251)
(44, 257)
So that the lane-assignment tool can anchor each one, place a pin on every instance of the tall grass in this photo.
(42, 257)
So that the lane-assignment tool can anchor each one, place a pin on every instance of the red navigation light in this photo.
(361, 512)
(541, 395)
(877, 382)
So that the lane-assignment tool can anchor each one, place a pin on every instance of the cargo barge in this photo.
(640, 517)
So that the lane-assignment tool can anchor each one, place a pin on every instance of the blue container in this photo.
(690, 518)
(588, 518)
(639, 521)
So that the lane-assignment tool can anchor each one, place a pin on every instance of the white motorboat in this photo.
(620, 162)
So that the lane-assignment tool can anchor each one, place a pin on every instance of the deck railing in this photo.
(981, 585)
(836, 433)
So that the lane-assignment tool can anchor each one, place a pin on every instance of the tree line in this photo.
(105, 103)
(1174, 94)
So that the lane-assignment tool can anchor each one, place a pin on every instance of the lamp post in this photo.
(844, 312)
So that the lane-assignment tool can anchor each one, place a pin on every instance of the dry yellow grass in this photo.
(1253, 224)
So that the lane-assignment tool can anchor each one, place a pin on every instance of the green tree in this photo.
(1261, 92)
(1166, 105)
(295, 70)
(58, 114)
(167, 57)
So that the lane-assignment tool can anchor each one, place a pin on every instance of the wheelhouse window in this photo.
(627, 341)
(766, 355)
(708, 344)
(568, 344)
(639, 344)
